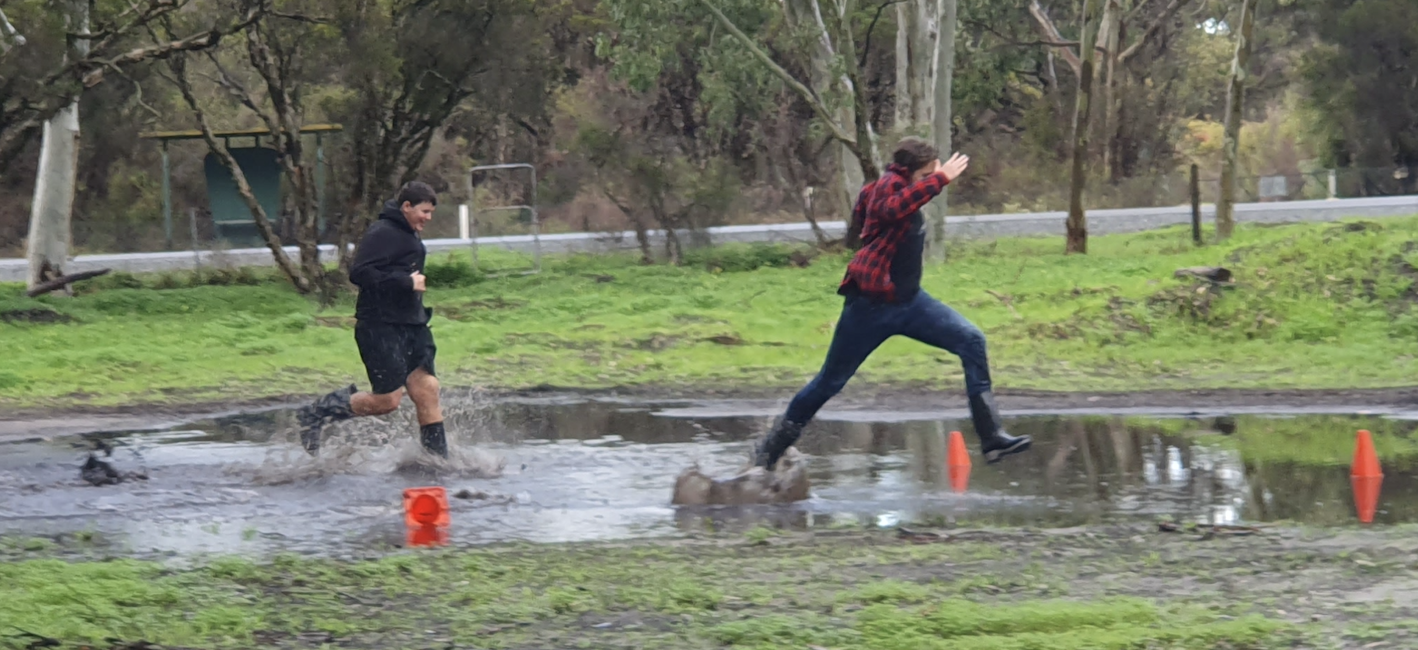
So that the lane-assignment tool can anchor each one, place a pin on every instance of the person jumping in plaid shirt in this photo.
(883, 298)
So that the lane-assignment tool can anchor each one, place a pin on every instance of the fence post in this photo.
(166, 196)
(1333, 185)
(196, 252)
(1195, 190)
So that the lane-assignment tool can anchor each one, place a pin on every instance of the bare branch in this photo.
(803, 91)
(301, 18)
(866, 47)
(137, 93)
(8, 33)
(1010, 42)
(198, 41)
(1152, 29)
(1049, 32)
(1136, 11)
(258, 213)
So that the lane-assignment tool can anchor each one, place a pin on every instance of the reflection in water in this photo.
(582, 470)
(1081, 469)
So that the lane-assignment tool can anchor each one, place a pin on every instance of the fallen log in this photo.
(63, 281)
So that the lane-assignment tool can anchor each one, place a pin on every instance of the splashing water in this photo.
(381, 445)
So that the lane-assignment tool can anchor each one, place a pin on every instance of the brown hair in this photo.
(416, 193)
(914, 153)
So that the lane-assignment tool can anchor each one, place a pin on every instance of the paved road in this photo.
(1100, 222)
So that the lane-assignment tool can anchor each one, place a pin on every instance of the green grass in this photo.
(830, 591)
(1316, 306)
(1313, 441)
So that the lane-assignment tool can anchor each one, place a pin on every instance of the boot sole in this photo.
(996, 455)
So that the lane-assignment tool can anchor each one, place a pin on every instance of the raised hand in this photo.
(953, 168)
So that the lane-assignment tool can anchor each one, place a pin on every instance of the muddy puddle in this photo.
(560, 469)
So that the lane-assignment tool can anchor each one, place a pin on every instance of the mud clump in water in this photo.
(752, 485)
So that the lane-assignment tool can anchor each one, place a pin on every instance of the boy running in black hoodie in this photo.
(391, 326)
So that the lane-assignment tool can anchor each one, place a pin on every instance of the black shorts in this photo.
(392, 352)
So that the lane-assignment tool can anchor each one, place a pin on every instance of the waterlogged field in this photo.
(1313, 306)
(1094, 589)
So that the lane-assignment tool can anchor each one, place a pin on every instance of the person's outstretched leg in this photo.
(423, 390)
(339, 405)
(936, 324)
(386, 364)
(861, 329)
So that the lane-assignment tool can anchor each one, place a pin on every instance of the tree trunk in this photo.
(1235, 92)
(52, 210)
(941, 117)
(1077, 224)
(807, 14)
(1111, 38)
(868, 155)
(642, 234)
(916, 38)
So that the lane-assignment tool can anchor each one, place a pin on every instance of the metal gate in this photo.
(468, 223)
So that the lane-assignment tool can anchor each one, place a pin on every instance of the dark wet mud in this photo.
(552, 469)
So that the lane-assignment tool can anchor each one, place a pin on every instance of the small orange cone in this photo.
(426, 516)
(1365, 477)
(957, 462)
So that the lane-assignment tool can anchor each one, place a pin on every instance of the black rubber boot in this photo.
(995, 443)
(773, 445)
(433, 439)
(328, 409)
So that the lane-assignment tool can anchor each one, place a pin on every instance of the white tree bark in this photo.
(916, 55)
(941, 117)
(807, 15)
(51, 212)
(1231, 142)
(1110, 29)
(8, 34)
(853, 177)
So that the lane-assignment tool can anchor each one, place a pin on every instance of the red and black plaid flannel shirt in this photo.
(885, 207)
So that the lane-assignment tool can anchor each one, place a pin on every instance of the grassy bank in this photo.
(1315, 306)
(1101, 589)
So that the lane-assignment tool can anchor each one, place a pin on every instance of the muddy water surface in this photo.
(561, 469)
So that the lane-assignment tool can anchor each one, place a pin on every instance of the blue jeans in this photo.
(866, 324)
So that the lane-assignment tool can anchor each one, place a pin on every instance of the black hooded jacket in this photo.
(384, 263)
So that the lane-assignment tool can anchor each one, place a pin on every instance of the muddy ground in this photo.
(72, 419)
(1012, 588)
(842, 583)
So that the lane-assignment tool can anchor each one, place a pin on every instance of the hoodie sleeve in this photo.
(371, 271)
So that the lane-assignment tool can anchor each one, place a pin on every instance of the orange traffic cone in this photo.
(957, 462)
(1365, 477)
(426, 516)
(426, 536)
